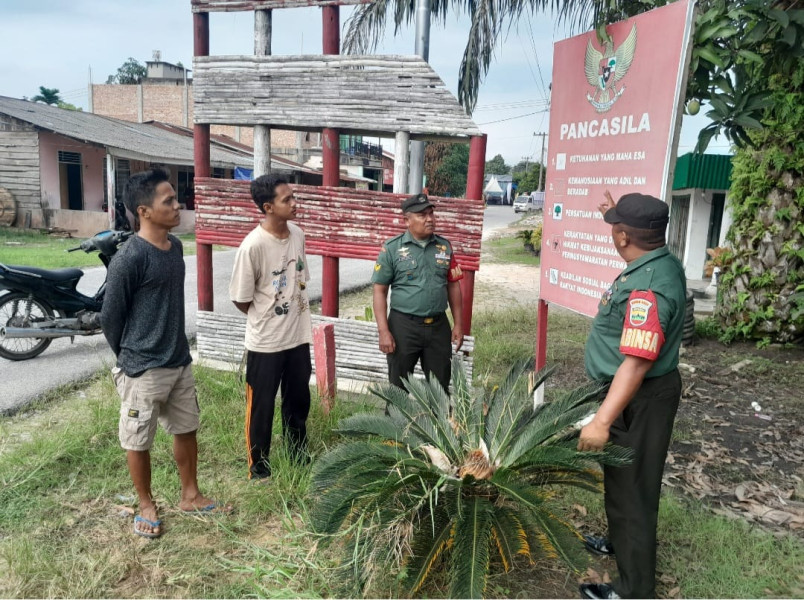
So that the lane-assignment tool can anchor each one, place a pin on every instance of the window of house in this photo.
(122, 175)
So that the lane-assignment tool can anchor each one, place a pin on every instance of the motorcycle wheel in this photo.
(12, 314)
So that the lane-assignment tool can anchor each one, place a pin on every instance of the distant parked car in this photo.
(524, 204)
(529, 203)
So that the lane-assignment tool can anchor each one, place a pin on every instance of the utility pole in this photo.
(263, 23)
(416, 174)
(541, 162)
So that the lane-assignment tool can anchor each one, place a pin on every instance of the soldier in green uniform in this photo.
(634, 344)
(419, 268)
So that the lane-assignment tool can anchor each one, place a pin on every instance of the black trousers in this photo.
(632, 492)
(266, 373)
(415, 340)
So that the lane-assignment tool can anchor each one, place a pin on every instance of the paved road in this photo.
(64, 363)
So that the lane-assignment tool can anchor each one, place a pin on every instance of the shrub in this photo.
(434, 482)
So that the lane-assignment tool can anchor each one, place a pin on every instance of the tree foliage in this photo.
(47, 95)
(528, 181)
(130, 72)
(446, 167)
(737, 46)
(497, 166)
(489, 19)
(438, 483)
(761, 290)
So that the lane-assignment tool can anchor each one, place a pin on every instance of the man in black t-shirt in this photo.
(143, 321)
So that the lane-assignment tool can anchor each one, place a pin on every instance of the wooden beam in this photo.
(401, 93)
(338, 222)
(248, 5)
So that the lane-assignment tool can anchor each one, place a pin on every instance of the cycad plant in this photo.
(438, 481)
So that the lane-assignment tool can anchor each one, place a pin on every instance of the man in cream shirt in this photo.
(269, 284)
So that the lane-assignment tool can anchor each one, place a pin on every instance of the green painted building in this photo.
(698, 215)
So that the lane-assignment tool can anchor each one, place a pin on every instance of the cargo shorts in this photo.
(162, 395)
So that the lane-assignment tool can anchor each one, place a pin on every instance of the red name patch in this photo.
(642, 331)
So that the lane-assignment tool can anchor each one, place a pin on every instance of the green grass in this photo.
(65, 529)
(509, 250)
(65, 502)
(32, 248)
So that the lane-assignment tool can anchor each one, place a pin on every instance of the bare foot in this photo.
(201, 503)
(147, 523)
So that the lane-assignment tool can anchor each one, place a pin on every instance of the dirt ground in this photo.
(738, 444)
(739, 440)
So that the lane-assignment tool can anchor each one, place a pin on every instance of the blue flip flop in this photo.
(147, 534)
(210, 508)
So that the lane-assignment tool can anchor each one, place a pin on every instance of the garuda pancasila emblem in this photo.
(605, 69)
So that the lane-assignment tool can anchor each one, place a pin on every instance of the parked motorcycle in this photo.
(43, 304)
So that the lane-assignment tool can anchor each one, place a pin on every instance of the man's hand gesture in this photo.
(607, 204)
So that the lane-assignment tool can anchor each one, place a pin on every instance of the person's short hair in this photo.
(263, 189)
(644, 239)
(141, 188)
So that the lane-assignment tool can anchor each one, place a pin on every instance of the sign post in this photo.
(614, 121)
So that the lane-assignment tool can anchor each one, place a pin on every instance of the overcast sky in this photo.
(55, 43)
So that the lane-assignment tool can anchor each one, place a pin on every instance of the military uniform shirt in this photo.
(641, 314)
(418, 273)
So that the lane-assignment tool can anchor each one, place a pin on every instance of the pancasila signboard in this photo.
(615, 111)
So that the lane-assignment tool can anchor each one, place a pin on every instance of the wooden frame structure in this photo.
(338, 222)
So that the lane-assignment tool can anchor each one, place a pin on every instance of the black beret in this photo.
(640, 211)
(416, 203)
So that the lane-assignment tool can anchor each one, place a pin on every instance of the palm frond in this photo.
(554, 422)
(376, 424)
(433, 404)
(412, 412)
(334, 464)
(613, 456)
(509, 486)
(563, 537)
(584, 481)
(556, 454)
(538, 430)
(509, 536)
(427, 546)
(507, 405)
(365, 27)
(470, 555)
(468, 414)
(429, 394)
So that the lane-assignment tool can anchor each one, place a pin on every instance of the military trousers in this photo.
(420, 338)
(632, 492)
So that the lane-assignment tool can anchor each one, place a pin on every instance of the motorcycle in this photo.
(44, 304)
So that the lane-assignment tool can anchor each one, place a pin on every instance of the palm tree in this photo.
(47, 95)
(439, 482)
(489, 18)
(746, 66)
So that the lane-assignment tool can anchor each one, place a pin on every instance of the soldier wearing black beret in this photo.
(419, 268)
(634, 345)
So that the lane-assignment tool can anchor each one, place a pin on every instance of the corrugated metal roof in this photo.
(703, 171)
(134, 140)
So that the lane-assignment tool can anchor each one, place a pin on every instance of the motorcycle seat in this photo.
(49, 274)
